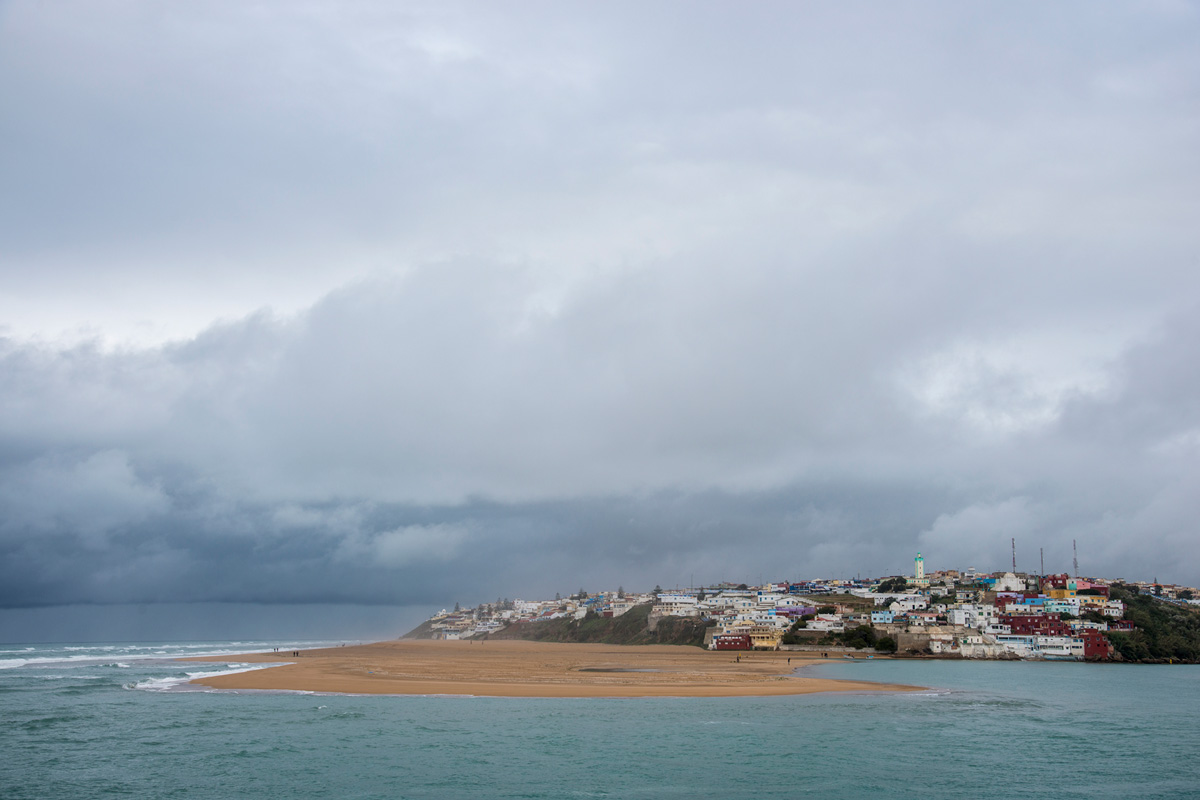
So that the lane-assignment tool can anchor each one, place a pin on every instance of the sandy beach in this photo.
(534, 669)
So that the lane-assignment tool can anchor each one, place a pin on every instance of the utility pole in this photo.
(1075, 561)
(1014, 546)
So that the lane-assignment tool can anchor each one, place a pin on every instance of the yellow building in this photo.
(765, 637)
(919, 578)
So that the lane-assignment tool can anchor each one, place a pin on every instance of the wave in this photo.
(184, 682)
(67, 656)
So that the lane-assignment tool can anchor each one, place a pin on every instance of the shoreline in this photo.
(516, 668)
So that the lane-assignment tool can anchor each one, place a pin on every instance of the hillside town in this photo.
(1000, 615)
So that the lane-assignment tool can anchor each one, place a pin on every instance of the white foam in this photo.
(66, 656)
(15, 663)
(177, 683)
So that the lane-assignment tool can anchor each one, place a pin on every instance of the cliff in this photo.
(632, 627)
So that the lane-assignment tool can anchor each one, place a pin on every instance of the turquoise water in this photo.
(100, 723)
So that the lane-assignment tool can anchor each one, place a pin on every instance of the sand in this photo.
(534, 669)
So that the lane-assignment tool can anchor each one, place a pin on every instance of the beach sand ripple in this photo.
(536, 669)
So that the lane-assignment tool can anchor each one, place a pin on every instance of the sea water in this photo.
(81, 721)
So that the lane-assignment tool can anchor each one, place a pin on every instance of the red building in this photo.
(732, 641)
(1095, 643)
(1035, 625)
(1065, 581)
(1056, 581)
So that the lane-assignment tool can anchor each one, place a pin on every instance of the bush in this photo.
(1164, 631)
(885, 644)
(858, 638)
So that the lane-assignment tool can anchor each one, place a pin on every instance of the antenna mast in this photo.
(1075, 563)
(1042, 555)
(1014, 546)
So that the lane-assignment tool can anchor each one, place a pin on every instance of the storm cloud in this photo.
(399, 305)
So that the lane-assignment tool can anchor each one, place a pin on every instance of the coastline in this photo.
(516, 668)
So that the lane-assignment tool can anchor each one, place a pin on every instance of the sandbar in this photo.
(511, 668)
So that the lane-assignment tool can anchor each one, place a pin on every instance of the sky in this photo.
(318, 317)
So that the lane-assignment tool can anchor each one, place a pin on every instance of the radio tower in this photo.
(1075, 561)
(1014, 544)
(1042, 556)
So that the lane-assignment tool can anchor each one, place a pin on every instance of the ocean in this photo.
(118, 720)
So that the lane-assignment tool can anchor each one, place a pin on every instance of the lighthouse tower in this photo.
(919, 571)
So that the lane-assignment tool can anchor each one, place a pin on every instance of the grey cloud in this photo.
(392, 304)
(279, 151)
(91, 495)
(405, 440)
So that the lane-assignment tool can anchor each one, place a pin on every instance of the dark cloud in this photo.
(398, 305)
(424, 441)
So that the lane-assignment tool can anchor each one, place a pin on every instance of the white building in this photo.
(1114, 609)
(677, 605)
(826, 622)
(908, 602)
(1009, 582)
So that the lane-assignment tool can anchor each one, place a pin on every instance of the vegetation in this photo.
(892, 585)
(792, 636)
(1164, 632)
(422, 631)
(858, 637)
(851, 600)
(632, 627)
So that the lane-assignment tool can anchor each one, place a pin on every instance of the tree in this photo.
(827, 610)
(859, 637)
(621, 592)
(885, 644)
(457, 608)
(1162, 631)
(1186, 594)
